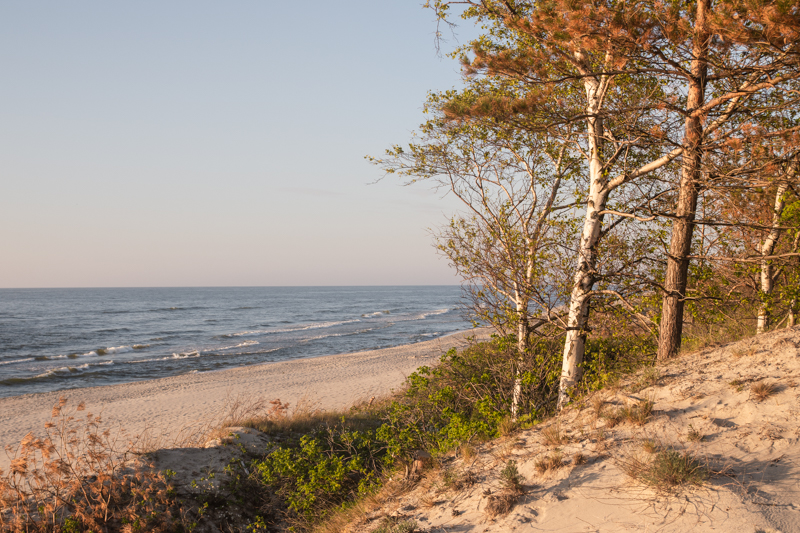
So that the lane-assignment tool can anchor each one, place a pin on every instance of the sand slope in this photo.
(754, 444)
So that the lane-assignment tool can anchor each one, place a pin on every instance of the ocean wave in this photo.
(376, 313)
(203, 353)
(420, 316)
(55, 373)
(184, 355)
(347, 334)
(109, 350)
(248, 342)
(179, 308)
(17, 361)
(304, 327)
(434, 313)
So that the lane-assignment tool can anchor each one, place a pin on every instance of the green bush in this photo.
(325, 469)
(466, 396)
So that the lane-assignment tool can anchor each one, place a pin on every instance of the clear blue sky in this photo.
(215, 143)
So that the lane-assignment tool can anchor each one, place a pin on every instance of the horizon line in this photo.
(225, 286)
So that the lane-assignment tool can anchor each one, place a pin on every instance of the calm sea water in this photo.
(53, 339)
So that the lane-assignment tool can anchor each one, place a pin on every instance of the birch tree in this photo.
(511, 184)
(577, 48)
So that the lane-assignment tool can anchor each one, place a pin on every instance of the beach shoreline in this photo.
(165, 405)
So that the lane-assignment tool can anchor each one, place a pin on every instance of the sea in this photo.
(56, 339)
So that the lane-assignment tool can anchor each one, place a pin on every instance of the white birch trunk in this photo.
(767, 248)
(522, 349)
(583, 281)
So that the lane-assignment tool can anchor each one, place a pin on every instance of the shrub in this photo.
(78, 477)
(324, 469)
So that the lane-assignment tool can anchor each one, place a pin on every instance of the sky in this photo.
(198, 143)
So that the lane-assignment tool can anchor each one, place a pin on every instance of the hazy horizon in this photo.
(234, 286)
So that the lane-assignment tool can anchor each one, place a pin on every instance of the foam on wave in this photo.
(303, 327)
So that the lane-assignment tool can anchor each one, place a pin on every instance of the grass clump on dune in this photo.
(668, 470)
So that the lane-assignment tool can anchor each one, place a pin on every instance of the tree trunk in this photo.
(677, 272)
(767, 248)
(523, 332)
(583, 282)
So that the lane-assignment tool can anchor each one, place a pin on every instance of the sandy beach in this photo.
(165, 405)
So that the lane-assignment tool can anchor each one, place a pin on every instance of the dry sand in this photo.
(751, 445)
(166, 405)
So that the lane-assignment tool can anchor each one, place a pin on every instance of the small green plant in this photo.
(737, 385)
(450, 479)
(510, 477)
(650, 446)
(71, 525)
(394, 525)
(692, 435)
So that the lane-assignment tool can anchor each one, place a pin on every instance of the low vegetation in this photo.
(667, 470)
(762, 390)
(81, 478)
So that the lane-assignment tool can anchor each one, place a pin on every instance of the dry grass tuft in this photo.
(650, 377)
(549, 463)
(598, 402)
(453, 480)
(467, 451)
(579, 459)
(500, 504)
(80, 476)
(762, 390)
(428, 501)
(507, 427)
(668, 470)
(553, 436)
(650, 446)
(742, 352)
(637, 413)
